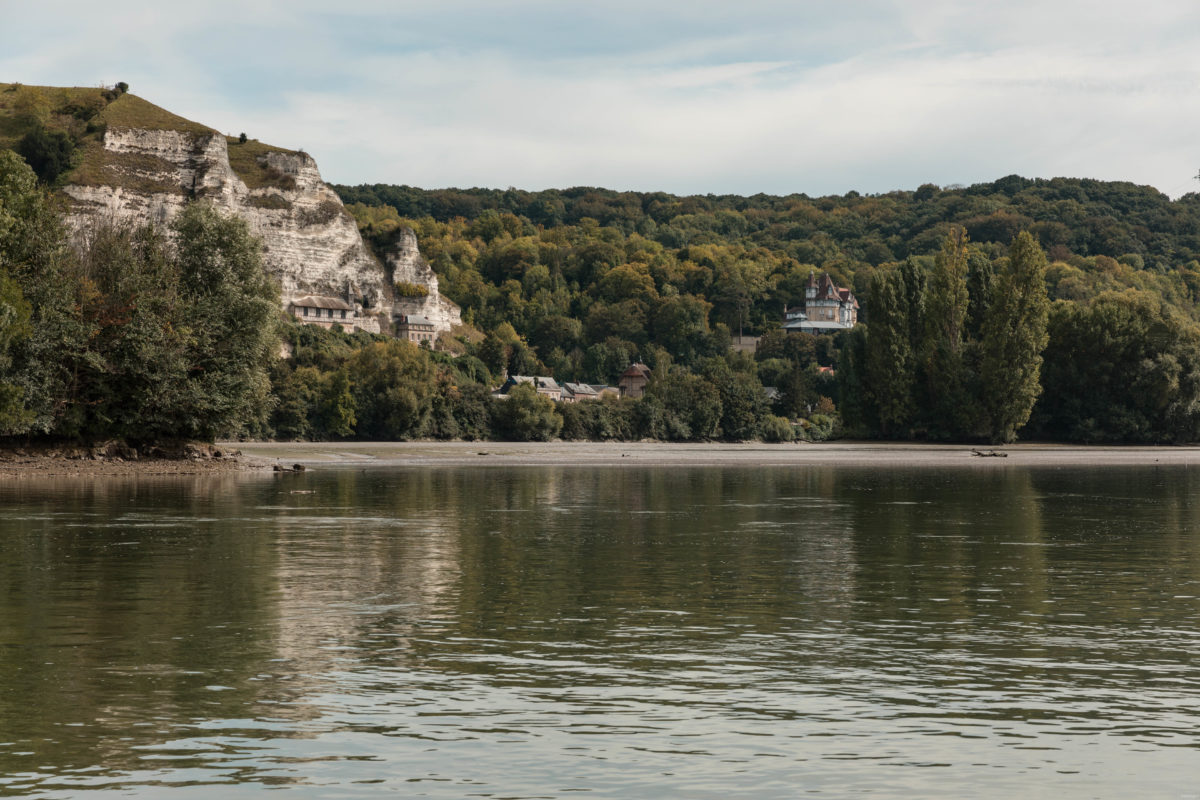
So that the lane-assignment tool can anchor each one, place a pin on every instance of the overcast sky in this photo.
(728, 96)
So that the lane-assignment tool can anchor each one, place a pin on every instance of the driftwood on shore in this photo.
(989, 454)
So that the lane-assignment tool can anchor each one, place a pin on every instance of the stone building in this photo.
(324, 312)
(416, 328)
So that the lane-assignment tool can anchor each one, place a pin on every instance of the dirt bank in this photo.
(326, 454)
(53, 460)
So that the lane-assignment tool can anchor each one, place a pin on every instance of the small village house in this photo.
(632, 382)
(548, 387)
(324, 312)
(574, 392)
(416, 328)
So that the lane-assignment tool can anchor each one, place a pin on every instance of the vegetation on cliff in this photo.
(60, 133)
(126, 334)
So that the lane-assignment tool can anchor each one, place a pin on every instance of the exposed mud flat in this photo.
(114, 458)
(327, 454)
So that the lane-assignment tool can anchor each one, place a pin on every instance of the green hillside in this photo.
(579, 282)
(74, 119)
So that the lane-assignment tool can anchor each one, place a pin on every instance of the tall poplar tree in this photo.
(947, 406)
(1014, 337)
(890, 357)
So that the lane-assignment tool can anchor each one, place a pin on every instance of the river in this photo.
(623, 632)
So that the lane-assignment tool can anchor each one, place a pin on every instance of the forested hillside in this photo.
(580, 282)
(1084, 226)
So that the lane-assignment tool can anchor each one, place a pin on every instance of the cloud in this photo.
(755, 96)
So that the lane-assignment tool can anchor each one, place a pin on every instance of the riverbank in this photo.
(47, 461)
(319, 455)
(18, 463)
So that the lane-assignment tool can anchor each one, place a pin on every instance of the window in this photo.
(306, 311)
(343, 313)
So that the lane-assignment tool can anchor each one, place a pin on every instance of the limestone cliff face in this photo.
(407, 265)
(310, 243)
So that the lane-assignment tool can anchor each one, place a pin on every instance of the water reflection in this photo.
(627, 632)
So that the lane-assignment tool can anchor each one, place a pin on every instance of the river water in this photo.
(606, 632)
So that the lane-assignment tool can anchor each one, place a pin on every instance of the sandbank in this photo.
(319, 455)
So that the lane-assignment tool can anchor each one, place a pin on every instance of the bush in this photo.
(49, 154)
(820, 427)
(777, 429)
(406, 289)
(527, 416)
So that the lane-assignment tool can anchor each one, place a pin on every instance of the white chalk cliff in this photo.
(311, 244)
(407, 265)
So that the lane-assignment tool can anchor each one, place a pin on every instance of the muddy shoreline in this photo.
(39, 460)
(325, 455)
(228, 457)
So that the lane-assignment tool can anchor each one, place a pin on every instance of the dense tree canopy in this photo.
(130, 333)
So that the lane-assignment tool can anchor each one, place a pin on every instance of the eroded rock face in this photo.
(310, 243)
(407, 265)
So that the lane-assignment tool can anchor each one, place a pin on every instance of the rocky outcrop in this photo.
(408, 266)
(310, 242)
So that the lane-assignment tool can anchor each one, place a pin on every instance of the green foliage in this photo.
(405, 289)
(129, 370)
(1121, 368)
(526, 416)
(14, 327)
(820, 428)
(49, 153)
(393, 384)
(602, 420)
(229, 311)
(777, 429)
(1014, 336)
(33, 255)
(946, 401)
(890, 357)
(129, 336)
(929, 376)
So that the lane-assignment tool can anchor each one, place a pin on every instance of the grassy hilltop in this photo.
(73, 120)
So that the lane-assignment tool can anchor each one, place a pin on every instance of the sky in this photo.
(696, 97)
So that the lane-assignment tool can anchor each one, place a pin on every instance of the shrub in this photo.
(406, 289)
(527, 416)
(777, 429)
(49, 154)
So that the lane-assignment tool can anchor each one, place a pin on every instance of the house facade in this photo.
(632, 382)
(828, 308)
(416, 328)
(574, 392)
(324, 312)
(547, 387)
